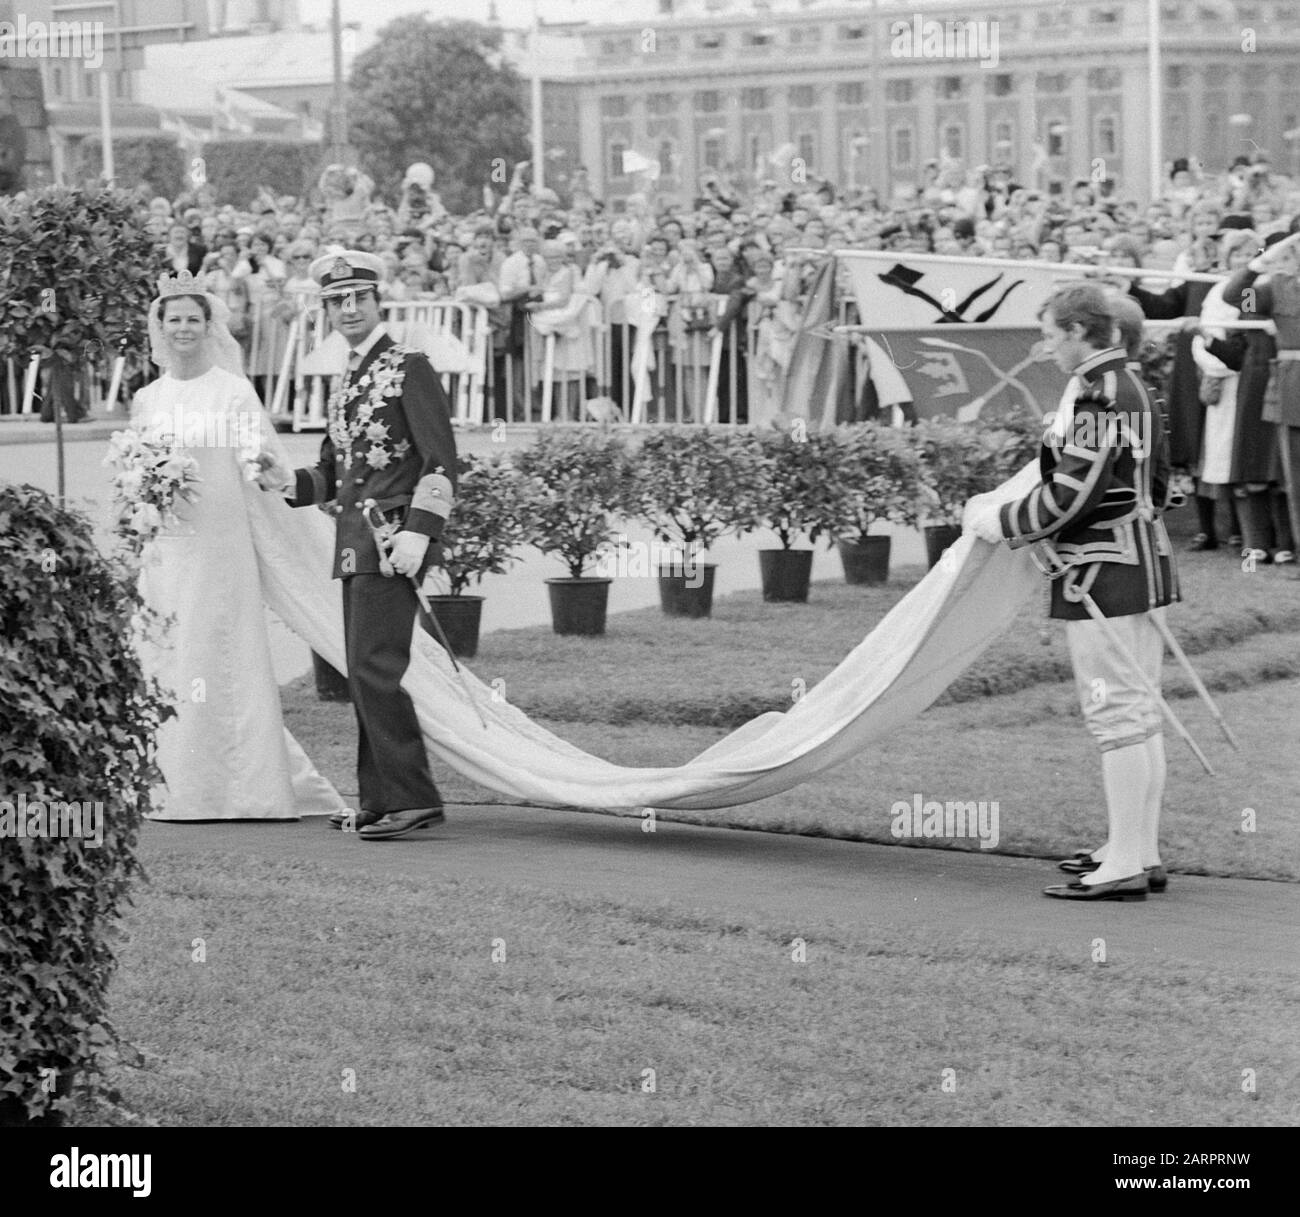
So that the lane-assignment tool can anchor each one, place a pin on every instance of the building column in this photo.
(927, 123)
(1027, 135)
(1080, 158)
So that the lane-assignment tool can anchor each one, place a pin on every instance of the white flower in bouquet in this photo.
(145, 520)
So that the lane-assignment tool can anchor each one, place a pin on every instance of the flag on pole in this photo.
(636, 162)
(905, 290)
(234, 116)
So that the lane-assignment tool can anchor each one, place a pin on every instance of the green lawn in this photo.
(312, 972)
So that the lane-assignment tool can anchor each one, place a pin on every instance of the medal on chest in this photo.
(363, 438)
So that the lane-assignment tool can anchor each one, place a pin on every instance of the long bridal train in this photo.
(933, 634)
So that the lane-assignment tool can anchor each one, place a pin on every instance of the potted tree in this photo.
(488, 523)
(875, 479)
(791, 494)
(579, 482)
(691, 485)
(958, 461)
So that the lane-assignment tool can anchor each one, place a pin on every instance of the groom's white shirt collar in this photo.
(358, 353)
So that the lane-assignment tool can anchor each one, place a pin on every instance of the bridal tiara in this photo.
(184, 284)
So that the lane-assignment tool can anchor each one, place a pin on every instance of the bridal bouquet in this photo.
(152, 474)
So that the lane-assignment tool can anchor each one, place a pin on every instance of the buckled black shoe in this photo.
(359, 819)
(1134, 887)
(1157, 878)
(398, 823)
(1078, 866)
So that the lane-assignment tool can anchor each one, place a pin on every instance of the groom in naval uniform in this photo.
(390, 440)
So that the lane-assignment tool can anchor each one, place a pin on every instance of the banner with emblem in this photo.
(960, 370)
(904, 291)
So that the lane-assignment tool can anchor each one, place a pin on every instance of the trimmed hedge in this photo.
(78, 718)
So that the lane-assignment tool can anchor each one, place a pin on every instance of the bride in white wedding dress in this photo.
(226, 755)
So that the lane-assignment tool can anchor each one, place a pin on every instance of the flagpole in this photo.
(1155, 115)
(338, 108)
(535, 87)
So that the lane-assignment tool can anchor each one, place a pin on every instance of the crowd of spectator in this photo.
(730, 262)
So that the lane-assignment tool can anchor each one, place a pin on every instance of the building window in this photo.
(613, 107)
(950, 87)
(1054, 18)
(898, 90)
(803, 97)
(616, 159)
(1004, 141)
(1056, 132)
(850, 93)
(660, 103)
(56, 81)
(1002, 84)
(1103, 80)
(952, 140)
(1106, 16)
(1107, 136)
(852, 33)
(712, 156)
(1171, 13)
(123, 84)
(805, 35)
(708, 101)
(667, 156)
(807, 148)
(902, 146)
(753, 99)
(757, 38)
(711, 41)
(1175, 77)
(1052, 82)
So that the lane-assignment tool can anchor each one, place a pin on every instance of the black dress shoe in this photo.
(359, 819)
(1157, 878)
(1134, 887)
(1203, 541)
(398, 823)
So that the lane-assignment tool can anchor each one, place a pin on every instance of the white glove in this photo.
(983, 519)
(270, 473)
(408, 552)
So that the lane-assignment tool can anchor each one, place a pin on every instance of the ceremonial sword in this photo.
(383, 535)
(1050, 563)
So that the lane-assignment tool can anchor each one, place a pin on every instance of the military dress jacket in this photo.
(390, 439)
(1105, 482)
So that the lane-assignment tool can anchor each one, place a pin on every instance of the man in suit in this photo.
(1096, 518)
(390, 439)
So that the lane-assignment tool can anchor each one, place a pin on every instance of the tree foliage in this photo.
(152, 161)
(437, 92)
(78, 271)
(237, 170)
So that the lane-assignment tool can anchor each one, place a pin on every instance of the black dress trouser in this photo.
(392, 765)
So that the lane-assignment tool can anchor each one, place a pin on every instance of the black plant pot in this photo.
(683, 595)
(460, 618)
(578, 606)
(938, 538)
(786, 573)
(331, 684)
(866, 561)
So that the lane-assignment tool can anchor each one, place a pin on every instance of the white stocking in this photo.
(1155, 747)
(1126, 775)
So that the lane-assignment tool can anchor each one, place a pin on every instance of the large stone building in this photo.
(728, 84)
(130, 30)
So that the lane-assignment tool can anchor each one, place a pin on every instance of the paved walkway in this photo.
(793, 883)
